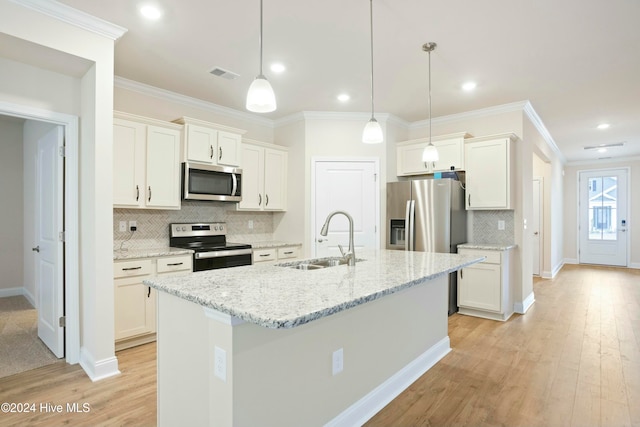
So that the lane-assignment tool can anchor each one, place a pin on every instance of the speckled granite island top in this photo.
(282, 297)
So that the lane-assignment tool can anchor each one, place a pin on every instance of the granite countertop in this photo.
(281, 297)
(487, 246)
(272, 244)
(149, 252)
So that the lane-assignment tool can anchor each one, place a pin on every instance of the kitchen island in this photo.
(275, 345)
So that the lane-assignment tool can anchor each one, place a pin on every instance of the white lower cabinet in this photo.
(282, 253)
(484, 288)
(134, 302)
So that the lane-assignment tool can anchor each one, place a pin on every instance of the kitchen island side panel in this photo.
(283, 377)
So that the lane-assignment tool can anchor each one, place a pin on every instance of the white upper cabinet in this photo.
(146, 163)
(264, 177)
(490, 172)
(211, 143)
(450, 151)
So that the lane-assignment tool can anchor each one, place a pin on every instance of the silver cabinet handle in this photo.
(137, 193)
(259, 199)
(36, 249)
(469, 199)
(132, 268)
(175, 264)
(267, 198)
(219, 153)
(211, 152)
(288, 252)
(149, 193)
(462, 273)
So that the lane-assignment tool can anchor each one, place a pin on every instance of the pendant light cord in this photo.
(429, 97)
(260, 39)
(371, 22)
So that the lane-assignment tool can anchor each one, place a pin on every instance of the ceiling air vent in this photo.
(225, 74)
(594, 147)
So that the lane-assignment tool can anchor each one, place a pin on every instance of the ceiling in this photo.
(576, 61)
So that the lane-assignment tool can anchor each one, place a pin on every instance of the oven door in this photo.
(211, 182)
(221, 259)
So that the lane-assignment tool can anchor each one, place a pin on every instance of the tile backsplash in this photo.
(484, 227)
(153, 225)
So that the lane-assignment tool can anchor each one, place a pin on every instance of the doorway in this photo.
(66, 129)
(603, 217)
(537, 224)
(349, 185)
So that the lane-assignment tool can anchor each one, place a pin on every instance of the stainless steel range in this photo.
(209, 241)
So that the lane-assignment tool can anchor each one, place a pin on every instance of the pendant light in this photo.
(260, 98)
(372, 133)
(430, 153)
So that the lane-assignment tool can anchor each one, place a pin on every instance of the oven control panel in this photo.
(199, 229)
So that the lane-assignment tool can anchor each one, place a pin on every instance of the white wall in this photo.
(571, 207)
(91, 97)
(11, 208)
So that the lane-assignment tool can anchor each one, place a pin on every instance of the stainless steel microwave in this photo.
(211, 182)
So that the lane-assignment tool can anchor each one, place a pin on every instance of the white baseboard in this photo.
(11, 292)
(98, 370)
(554, 273)
(369, 405)
(570, 261)
(634, 265)
(29, 296)
(524, 306)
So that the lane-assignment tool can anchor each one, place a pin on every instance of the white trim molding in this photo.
(524, 306)
(98, 369)
(365, 408)
(12, 292)
(539, 125)
(72, 16)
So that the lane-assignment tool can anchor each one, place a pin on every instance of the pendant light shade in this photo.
(430, 153)
(260, 97)
(372, 133)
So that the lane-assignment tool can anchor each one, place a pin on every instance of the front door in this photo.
(603, 217)
(49, 247)
(349, 186)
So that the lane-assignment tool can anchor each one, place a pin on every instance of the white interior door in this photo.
(603, 217)
(536, 225)
(349, 186)
(49, 248)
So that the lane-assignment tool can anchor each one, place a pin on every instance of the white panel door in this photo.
(349, 186)
(50, 248)
(536, 225)
(603, 217)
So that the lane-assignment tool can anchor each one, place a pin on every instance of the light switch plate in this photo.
(500, 225)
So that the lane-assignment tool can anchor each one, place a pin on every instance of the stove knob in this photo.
(184, 228)
(215, 227)
(177, 228)
(221, 228)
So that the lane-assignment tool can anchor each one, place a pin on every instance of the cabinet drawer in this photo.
(260, 255)
(133, 268)
(284, 253)
(492, 257)
(176, 263)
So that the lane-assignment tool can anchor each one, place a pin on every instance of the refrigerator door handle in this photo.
(407, 225)
(412, 225)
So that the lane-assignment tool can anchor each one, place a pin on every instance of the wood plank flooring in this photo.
(573, 360)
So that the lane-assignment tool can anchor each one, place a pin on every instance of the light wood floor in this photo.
(574, 359)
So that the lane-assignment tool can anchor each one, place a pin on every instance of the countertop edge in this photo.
(487, 246)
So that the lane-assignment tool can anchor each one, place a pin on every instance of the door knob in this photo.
(535, 233)
(36, 249)
(321, 240)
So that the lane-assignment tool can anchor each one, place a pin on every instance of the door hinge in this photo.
(62, 151)
(61, 236)
(375, 177)
(62, 322)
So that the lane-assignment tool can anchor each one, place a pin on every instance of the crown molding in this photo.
(156, 92)
(537, 122)
(483, 112)
(72, 16)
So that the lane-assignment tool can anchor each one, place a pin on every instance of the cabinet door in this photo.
(275, 180)
(229, 145)
(201, 144)
(134, 312)
(163, 168)
(409, 160)
(479, 287)
(252, 177)
(128, 163)
(487, 175)
(450, 153)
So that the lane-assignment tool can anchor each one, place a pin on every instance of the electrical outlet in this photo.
(337, 361)
(123, 226)
(250, 224)
(133, 225)
(220, 363)
(500, 225)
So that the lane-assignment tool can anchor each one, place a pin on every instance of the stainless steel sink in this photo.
(315, 264)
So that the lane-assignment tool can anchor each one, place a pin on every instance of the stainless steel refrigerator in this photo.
(427, 215)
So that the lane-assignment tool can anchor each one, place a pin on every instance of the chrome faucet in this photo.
(350, 256)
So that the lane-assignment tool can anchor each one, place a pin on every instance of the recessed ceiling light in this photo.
(278, 68)
(604, 126)
(150, 12)
(469, 86)
(343, 97)
(602, 150)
